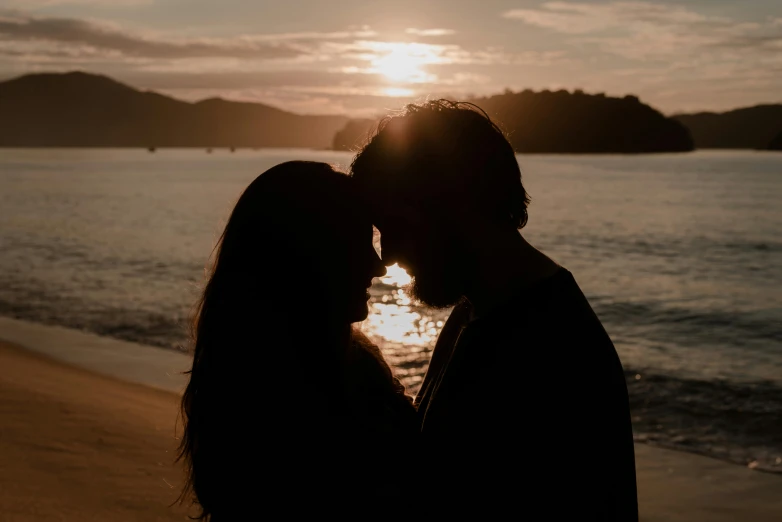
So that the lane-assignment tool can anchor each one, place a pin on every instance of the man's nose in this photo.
(389, 253)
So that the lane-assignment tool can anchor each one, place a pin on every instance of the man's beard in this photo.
(443, 285)
(434, 296)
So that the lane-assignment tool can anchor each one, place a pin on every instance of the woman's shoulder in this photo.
(376, 385)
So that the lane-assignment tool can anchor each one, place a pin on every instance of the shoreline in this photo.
(151, 366)
(163, 367)
(75, 383)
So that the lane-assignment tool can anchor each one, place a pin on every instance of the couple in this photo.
(523, 412)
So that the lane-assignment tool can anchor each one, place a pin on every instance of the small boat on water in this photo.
(151, 149)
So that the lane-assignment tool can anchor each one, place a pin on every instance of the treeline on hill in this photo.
(746, 128)
(566, 122)
(79, 109)
(86, 110)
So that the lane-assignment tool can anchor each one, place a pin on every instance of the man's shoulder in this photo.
(556, 299)
(554, 322)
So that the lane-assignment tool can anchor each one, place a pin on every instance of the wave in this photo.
(688, 325)
(734, 422)
(139, 326)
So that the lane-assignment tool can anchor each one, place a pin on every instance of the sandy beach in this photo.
(82, 444)
(75, 445)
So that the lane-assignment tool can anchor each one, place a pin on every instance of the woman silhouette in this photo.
(288, 405)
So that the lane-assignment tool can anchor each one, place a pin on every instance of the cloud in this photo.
(43, 42)
(675, 56)
(649, 31)
(93, 35)
(579, 18)
(346, 66)
(362, 32)
(236, 80)
(424, 54)
(430, 32)
(36, 4)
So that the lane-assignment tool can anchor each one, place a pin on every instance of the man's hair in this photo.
(444, 155)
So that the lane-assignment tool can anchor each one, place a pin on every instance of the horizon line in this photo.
(507, 90)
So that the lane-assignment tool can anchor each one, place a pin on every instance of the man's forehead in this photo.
(391, 212)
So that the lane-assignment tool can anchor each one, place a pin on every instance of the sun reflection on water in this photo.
(404, 330)
(396, 276)
(392, 316)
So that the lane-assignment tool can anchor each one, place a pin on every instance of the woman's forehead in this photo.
(349, 221)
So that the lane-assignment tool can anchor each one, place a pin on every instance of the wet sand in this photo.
(78, 444)
(677, 487)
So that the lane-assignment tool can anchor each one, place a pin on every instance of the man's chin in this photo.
(433, 295)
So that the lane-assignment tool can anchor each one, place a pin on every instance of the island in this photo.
(556, 122)
(744, 128)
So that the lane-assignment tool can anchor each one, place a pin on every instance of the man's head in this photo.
(433, 173)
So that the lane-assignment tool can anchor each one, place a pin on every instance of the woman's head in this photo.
(297, 232)
(291, 273)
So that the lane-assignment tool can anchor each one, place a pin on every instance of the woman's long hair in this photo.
(265, 367)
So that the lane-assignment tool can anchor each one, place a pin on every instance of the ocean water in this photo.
(679, 255)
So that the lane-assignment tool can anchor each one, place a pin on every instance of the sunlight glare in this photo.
(396, 276)
(398, 65)
(396, 323)
(403, 62)
(398, 92)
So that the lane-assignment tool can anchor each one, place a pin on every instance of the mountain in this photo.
(564, 122)
(776, 143)
(747, 128)
(353, 135)
(78, 109)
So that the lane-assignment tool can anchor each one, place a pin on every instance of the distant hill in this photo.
(564, 122)
(776, 143)
(353, 134)
(85, 110)
(747, 128)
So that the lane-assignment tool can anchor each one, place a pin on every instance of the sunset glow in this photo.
(399, 65)
(398, 92)
(324, 58)
(404, 62)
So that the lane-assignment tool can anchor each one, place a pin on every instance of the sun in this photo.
(403, 62)
(399, 65)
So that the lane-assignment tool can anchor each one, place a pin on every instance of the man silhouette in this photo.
(524, 406)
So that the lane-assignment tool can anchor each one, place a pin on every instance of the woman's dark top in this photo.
(314, 453)
(384, 427)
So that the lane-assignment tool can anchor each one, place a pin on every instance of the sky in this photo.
(363, 57)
